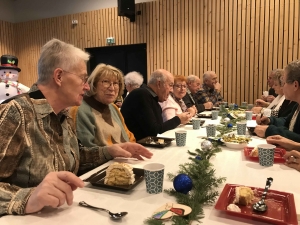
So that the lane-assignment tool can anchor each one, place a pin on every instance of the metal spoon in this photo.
(114, 216)
(261, 206)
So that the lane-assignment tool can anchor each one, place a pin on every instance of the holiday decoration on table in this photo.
(204, 191)
(182, 183)
(9, 75)
(171, 209)
(206, 145)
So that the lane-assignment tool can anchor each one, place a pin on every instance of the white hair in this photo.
(207, 75)
(58, 54)
(134, 78)
(156, 76)
(191, 78)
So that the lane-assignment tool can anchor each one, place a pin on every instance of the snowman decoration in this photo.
(9, 74)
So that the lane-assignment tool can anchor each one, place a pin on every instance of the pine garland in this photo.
(204, 187)
(202, 174)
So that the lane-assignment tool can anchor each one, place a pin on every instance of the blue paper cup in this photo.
(154, 176)
(180, 137)
(266, 154)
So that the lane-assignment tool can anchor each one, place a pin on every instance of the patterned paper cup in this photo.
(211, 130)
(241, 128)
(214, 114)
(266, 154)
(196, 123)
(180, 136)
(154, 176)
(249, 115)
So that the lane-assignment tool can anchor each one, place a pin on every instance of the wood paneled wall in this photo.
(242, 40)
(7, 38)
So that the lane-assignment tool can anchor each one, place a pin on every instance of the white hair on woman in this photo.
(134, 79)
(56, 53)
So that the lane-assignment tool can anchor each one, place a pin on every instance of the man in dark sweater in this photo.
(141, 110)
(193, 84)
(289, 126)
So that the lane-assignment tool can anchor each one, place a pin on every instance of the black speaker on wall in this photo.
(127, 8)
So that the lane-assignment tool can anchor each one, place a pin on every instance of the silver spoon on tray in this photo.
(114, 216)
(261, 206)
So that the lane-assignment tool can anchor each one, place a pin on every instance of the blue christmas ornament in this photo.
(198, 157)
(183, 183)
(229, 125)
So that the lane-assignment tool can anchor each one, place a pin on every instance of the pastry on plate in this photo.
(119, 174)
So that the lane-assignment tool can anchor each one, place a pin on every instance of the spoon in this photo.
(114, 216)
(261, 206)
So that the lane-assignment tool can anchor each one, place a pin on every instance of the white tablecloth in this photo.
(140, 205)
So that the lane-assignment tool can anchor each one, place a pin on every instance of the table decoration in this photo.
(183, 183)
(204, 190)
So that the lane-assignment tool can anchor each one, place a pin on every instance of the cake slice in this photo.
(254, 152)
(119, 174)
(243, 195)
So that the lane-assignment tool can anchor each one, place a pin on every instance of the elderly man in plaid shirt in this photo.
(210, 91)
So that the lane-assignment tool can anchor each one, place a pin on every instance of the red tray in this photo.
(278, 155)
(281, 206)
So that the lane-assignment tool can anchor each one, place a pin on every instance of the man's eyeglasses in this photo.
(180, 86)
(83, 78)
(107, 84)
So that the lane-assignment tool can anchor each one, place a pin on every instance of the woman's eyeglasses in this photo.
(107, 84)
(180, 86)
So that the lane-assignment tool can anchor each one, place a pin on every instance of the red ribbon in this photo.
(9, 65)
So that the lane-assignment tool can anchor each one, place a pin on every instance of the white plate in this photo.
(233, 145)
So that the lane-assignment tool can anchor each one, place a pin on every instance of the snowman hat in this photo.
(9, 62)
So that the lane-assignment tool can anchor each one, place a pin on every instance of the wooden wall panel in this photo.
(242, 40)
(7, 42)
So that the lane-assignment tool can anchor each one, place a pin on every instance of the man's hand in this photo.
(256, 110)
(262, 103)
(218, 87)
(292, 159)
(283, 142)
(192, 110)
(56, 189)
(263, 98)
(270, 98)
(185, 117)
(129, 150)
(260, 130)
(262, 120)
(208, 105)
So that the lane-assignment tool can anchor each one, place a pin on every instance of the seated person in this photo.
(40, 154)
(174, 104)
(272, 95)
(280, 107)
(193, 85)
(289, 126)
(98, 121)
(210, 91)
(133, 80)
(142, 112)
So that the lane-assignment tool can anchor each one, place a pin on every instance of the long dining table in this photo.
(140, 205)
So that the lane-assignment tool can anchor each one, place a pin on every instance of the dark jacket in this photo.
(280, 126)
(142, 114)
(189, 102)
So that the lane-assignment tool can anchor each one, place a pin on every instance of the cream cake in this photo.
(243, 195)
(254, 152)
(119, 174)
